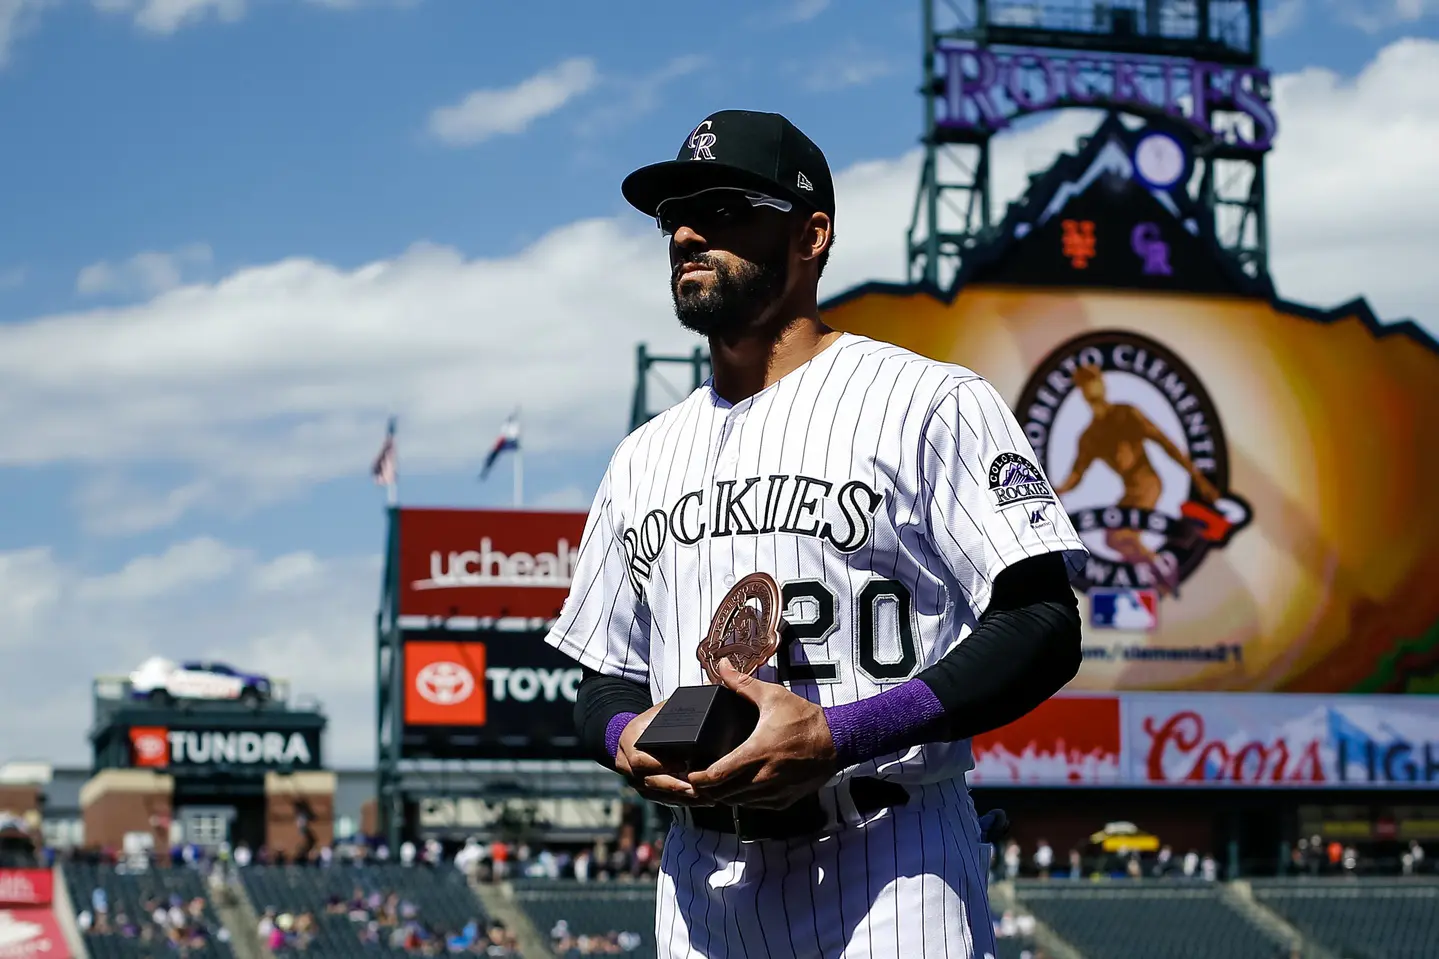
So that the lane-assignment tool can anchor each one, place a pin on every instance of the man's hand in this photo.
(789, 755)
(651, 778)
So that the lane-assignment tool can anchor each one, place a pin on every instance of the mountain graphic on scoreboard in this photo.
(1093, 220)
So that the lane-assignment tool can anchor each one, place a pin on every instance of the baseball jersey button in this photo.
(729, 581)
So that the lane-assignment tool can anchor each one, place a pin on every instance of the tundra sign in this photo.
(163, 747)
(488, 694)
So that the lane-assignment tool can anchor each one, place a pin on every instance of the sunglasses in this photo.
(714, 209)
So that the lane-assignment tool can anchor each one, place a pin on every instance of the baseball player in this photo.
(923, 564)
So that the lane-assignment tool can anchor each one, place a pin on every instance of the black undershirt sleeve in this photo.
(601, 698)
(1025, 648)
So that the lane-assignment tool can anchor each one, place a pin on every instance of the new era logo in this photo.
(804, 183)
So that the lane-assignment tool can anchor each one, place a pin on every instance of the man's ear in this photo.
(815, 236)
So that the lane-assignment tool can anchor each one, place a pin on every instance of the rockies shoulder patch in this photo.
(1014, 480)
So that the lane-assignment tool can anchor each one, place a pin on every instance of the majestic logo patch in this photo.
(1132, 440)
(1014, 481)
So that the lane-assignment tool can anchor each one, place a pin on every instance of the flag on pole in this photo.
(509, 439)
(386, 468)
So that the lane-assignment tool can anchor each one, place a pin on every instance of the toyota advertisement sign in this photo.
(485, 563)
(488, 695)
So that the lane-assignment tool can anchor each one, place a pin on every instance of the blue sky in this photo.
(240, 232)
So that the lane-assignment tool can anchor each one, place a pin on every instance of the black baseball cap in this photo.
(764, 152)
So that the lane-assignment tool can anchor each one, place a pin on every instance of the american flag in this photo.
(386, 465)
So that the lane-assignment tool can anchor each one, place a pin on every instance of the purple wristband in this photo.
(615, 730)
(882, 724)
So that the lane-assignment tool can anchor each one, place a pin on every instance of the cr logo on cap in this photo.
(700, 143)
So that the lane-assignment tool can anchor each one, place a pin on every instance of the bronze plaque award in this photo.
(699, 724)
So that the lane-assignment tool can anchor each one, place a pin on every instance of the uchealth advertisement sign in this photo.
(488, 694)
(1344, 742)
(30, 933)
(486, 563)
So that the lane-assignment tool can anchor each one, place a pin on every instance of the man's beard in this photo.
(738, 296)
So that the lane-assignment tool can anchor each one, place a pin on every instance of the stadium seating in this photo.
(592, 909)
(1369, 919)
(609, 908)
(1142, 921)
(130, 899)
(442, 902)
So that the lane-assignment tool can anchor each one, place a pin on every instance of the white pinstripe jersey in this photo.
(882, 490)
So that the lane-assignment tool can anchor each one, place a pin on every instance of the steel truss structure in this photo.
(954, 209)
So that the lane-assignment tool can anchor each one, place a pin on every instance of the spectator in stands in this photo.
(469, 858)
(1209, 869)
(1191, 864)
(1011, 860)
(1164, 862)
(582, 865)
(500, 858)
(407, 853)
(1416, 854)
(1076, 864)
(1043, 858)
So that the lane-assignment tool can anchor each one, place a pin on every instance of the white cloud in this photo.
(297, 617)
(29, 586)
(183, 565)
(280, 376)
(483, 114)
(144, 274)
(165, 17)
(797, 11)
(110, 506)
(625, 99)
(1373, 16)
(851, 66)
(1283, 16)
(17, 17)
(291, 571)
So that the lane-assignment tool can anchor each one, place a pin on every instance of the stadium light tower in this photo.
(650, 378)
(988, 62)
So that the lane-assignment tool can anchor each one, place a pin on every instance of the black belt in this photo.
(805, 817)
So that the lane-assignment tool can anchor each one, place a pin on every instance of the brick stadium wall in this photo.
(119, 801)
(287, 798)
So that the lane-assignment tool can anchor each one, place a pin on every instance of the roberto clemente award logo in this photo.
(1131, 439)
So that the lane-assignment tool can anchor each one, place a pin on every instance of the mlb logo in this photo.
(1131, 609)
